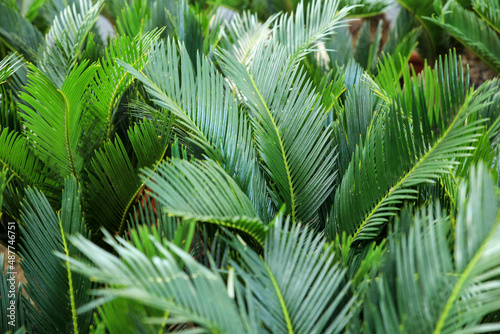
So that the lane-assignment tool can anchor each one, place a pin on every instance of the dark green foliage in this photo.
(201, 172)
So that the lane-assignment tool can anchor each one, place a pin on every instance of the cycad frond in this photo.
(8, 66)
(296, 274)
(55, 291)
(471, 31)
(244, 33)
(206, 110)
(427, 285)
(65, 38)
(489, 11)
(53, 118)
(18, 33)
(114, 182)
(289, 127)
(112, 80)
(309, 24)
(198, 296)
(16, 155)
(203, 191)
(415, 142)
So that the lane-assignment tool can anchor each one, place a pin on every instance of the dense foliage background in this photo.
(249, 166)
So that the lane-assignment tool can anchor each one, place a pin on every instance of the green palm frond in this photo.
(203, 191)
(297, 286)
(114, 182)
(53, 118)
(205, 108)
(17, 157)
(8, 66)
(427, 285)
(18, 33)
(54, 290)
(244, 33)
(309, 24)
(64, 40)
(471, 31)
(197, 296)
(289, 127)
(112, 80)
(489, 11)
(416, 141)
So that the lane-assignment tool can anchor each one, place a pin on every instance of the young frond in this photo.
(53, 118)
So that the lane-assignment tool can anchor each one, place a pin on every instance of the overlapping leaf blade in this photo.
(427, 285)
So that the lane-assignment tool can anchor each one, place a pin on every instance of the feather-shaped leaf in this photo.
(296, 284)
(198, 296)
(289, 126)
(65, 38)
(427, 286)
(53, 288)
(415, 142)
(471, 31)
(207, 111)
(202, 190)
(53, 118)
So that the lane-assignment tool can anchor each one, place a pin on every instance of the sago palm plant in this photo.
(199, 174)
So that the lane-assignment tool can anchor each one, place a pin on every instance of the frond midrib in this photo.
(66, 136)
(455, 294)
(282, 149)
(70, 281)
(281, 300)
(400, 183)
(115, 93)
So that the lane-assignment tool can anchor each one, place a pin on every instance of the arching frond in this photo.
(203, 191)
(415, 142)
(206, 110)
(53, 118)
(471, 31)
(112, 80)
(198, 295)
(65, 38)
(244, 33)
(289, 127)
(18, 33)
(301, 31)
(427, 285)
(489, 11)
(296, 284)
(54, 289)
